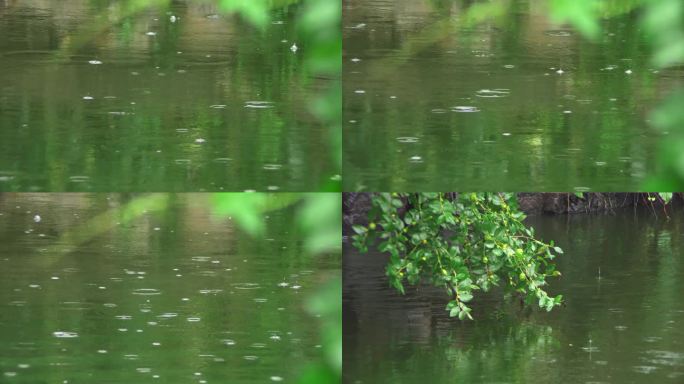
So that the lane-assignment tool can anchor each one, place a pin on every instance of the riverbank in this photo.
(356, 205)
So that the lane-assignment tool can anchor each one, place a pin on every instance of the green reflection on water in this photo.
(156, 285)
(162, 96)
(570, 112)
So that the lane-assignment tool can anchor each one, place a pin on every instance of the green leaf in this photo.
(359, 229)
(666, 196)
(582, 14)
(558, 250)
(455, 311)
(256, 12)
(465, 297)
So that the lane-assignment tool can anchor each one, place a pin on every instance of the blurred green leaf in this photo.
(480, 12)
(321, 219)
(582, 14)
(664, 22)
(666, 196)
(256, 12)
(670, 114)
(319, 374)
(327, 305)
(247, 209)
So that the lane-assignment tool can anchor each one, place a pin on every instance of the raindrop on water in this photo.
(407, 139)
(146, 291)
(464, 109)
(493, 93)
(65, 335)
(257, 104)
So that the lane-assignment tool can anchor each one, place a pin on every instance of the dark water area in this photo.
(436, 101)
(174, 96)
(622, 320)
(172, 295)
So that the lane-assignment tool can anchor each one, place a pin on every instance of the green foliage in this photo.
(664, 23)
(327, 305)
(664, 197)
(580, 13)
(480, 12)
(474, 242)
(247, 208)
(320, 26)
(319, 217)
(669, 117)
(255, 11)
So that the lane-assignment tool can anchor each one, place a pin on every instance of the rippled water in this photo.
(173, 296)
(554, 111)
(175, 98)
(623, 322)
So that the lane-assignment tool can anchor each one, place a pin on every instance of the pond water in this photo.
(113, 96)
(433, 101)
(174, 295)
(623, 276)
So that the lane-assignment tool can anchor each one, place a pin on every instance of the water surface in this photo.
(434, 101)
(174, 295)
(623, 276)
(174, 97)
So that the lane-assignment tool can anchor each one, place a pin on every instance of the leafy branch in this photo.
(475, 241)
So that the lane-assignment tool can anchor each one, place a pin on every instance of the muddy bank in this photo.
(356, 205)
(564, 203)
